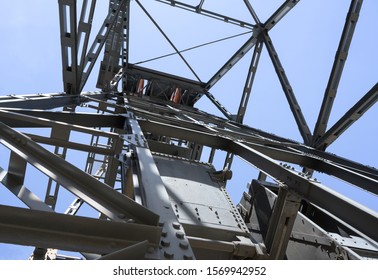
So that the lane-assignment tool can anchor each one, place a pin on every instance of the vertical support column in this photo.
(281, 222)
(68, 41)
(113, 54)
(52, 190)
(249, 81)
(84, 30)
(288, 90)
(337, 69)
(174, 242)
(100, 40)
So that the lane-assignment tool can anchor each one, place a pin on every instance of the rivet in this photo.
(164, 233)
(188, 257)
(184, 245)
(180, 234)
(165, 243)
(176, 225)
(168, 255)
(161, 224)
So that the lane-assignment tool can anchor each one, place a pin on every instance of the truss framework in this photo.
(143, 146)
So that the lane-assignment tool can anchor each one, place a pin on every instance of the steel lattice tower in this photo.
(142, 182)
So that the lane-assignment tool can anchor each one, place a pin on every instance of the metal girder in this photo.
(84, 31)
(281, 223)
(276, 147)
(252, 11)
(280, 13)
(13, 184)
(288, 90)
(232, 61)
(198, 9)
(155, 196)
(97, 194)
(332, 165)
(34, 120)
(77, 118)
(352, 213)
(48, 100)
(51, 230)
(69, 45)
(249, 82)
(114, 48)
(102, 35)
(337, 69)
(220, 107)
(350, 117)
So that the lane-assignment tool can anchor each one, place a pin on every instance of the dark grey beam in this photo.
(337, 69)
(356, 112)
(84, 31)
(99, 41)
(220, 107)
(111, 62)
(198, 9)
(252, 11)
(249, 82)
(12, 183)
(281, 223)
(51, 230)
(47, 100)
(288, 90)
(276, 151)
(232, 61)
(352, 213)
(97, 194)
(156, 198)
(81, 119)
(280, 13)
(69, 45)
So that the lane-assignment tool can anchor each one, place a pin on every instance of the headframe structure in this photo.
(139, 186)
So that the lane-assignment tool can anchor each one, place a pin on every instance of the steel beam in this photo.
(280, 13)
(288, 90)
(232, 61)
(249, 82)
(97, 194)
(102, 35)
(69, 45)
(350, 117)
(112, 62)
(337, 69)
(351, 212)
(84, 31)
(281, 223)
(220, 107)
(199, 10)
(252, 11)
(13, 184)
(175, 244)
(342, 169)
(46, 101)
(51, 230)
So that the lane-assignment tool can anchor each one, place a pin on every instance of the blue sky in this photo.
(306, 41)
